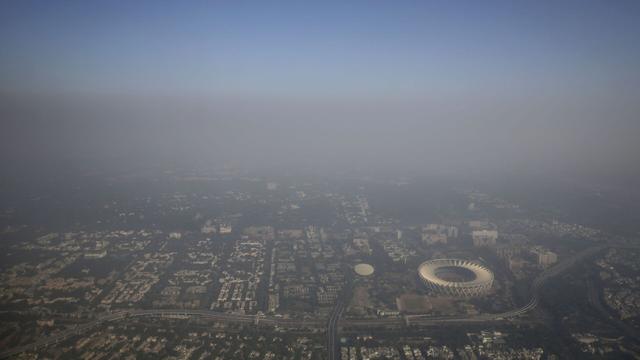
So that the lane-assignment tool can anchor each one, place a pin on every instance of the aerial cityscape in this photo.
(320, 180)
(234, 266)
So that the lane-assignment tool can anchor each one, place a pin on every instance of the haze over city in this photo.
(350, 180)
(538, 88)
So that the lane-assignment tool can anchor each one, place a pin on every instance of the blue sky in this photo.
(318, 49)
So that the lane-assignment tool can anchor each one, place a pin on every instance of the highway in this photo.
(122, 315)
(332, 323)
(332, 330)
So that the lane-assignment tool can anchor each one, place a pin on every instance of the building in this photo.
(208, 228)
(516, 264)
(362, 245)
(546, 258)
(434, 238)
(449, 230)
(508, 251)
(456, 277)
(274, 302)
(225, 229)
(438, 233)
(95, 254)
(484, 237)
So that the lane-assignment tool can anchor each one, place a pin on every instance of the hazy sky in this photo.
(397, 85)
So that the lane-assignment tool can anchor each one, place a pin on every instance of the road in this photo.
(332, 324)
(122, 315)
(332, 330)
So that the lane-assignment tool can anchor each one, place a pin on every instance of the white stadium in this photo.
(454, 277)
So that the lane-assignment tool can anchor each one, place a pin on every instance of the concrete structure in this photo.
(274, 302)
(225, 229)
(507, 252)
(454, 277)
(484, 237)
(363, 269)
(438, 233)
(95, 254)
(546, 258)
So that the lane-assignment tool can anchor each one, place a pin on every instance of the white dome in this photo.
(363, 269)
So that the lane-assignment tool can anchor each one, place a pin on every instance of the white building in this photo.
(95, 254)
(225, 229)
(546, 258)
(208, 228)
(484, 237)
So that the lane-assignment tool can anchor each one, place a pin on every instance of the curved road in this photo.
(305, 323)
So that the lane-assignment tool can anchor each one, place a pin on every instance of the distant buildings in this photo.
(432, 239)
(225, 229)
(484, 237)
(438, 233)
(209, 228)
(508, 251)
(546, 258)
(95, 254)
(483, 233)
(362, 245)
(274, 301)
(516, 264)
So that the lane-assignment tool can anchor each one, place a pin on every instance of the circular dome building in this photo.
(454, 277)
(363, 269)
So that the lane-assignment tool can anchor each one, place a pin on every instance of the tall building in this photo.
(225, 229)
(508, 251)
(209, 228)
(438, 233)
(274, 301)
(484, 237)
(546, 258)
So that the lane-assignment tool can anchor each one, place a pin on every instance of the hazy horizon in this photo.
(546, 88)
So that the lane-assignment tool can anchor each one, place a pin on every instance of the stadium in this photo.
(454, 277)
